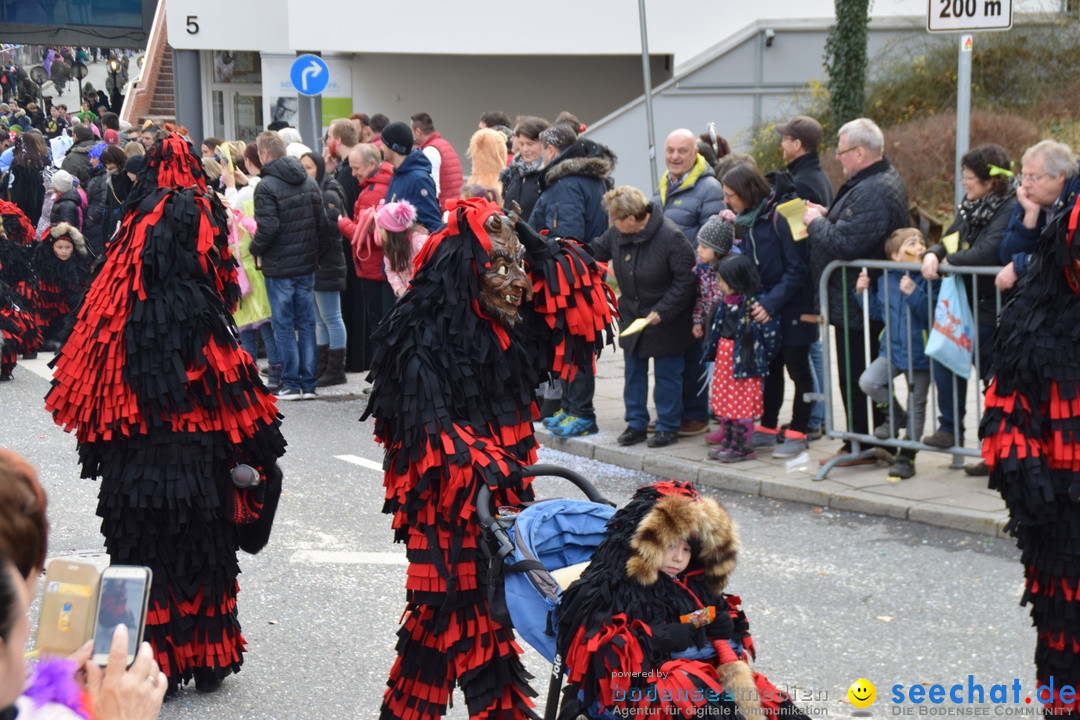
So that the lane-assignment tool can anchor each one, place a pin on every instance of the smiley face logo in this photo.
(862, 693)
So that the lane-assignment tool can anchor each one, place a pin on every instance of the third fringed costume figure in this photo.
(648, 628)
(490, 307)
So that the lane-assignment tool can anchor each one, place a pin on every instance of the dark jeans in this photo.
(944, 380)
(851, 362)
(695, 389)
(796, 358)
(668, 377)
(577, 397)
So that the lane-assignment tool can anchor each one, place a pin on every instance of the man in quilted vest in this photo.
(445, 164)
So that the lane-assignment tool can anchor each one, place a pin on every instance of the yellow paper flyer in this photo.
(793, 211)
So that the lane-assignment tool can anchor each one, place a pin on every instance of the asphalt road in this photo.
(831, 596)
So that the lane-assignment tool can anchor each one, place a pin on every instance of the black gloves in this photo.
(723, 627)
(674, 637)
(538, 246)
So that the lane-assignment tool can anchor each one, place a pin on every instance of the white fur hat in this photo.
(62, 181)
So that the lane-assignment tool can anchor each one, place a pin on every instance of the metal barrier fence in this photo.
(853, 393)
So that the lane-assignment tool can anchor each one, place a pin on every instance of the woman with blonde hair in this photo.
(487, 150)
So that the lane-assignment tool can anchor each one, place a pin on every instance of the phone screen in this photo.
(121, 602)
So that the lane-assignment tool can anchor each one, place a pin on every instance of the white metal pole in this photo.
(647, 73)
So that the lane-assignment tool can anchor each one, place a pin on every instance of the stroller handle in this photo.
(484, 509)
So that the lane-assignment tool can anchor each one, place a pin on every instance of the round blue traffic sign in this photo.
(309, 74)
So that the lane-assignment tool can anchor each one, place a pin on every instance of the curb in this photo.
(826, 493)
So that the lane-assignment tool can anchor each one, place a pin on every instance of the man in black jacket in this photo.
(800, 138)
(291, 222)
(869, 206)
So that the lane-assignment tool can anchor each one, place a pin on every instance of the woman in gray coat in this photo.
(654, 265)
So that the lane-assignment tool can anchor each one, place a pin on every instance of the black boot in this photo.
(334, 373)
(322, 353)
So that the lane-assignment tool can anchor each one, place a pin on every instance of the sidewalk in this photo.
(937, 495)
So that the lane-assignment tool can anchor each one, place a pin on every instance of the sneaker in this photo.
(763, 439)
(632, 436)
(902, 467)
(573, 426)
(940, 439)
(689, 428)
(309, 395)
(790, 448)
(815, 433)
(288, 393)
(881, 432)
(663, 438)
(552, 421)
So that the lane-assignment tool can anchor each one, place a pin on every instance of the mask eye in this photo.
(503, 270)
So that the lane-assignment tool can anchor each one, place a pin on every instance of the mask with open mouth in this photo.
(504, 286)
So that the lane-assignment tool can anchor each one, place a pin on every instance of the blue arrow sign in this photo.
(309, 74)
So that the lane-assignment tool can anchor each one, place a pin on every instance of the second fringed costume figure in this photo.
(459, 357)
(168, 410)
(648, 629)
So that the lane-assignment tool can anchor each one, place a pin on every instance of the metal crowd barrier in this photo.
(857, 440)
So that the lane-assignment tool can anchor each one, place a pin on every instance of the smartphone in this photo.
(122, 600)
(67, 608)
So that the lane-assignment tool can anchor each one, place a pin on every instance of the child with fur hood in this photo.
(62, 264)
(648, 628)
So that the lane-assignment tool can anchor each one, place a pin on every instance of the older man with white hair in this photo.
(868, 207)
(1049, 176)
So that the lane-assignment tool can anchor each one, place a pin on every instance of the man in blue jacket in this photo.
(412, 175)
(576, 174)
(1049, 176)
(689, 192)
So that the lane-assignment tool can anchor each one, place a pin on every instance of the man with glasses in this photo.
(868, 207)
(1049, 176)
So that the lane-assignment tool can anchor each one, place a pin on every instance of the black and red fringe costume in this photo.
(21, 329)
(1031, 443)
(60, 283)
(620, 623)
(164, 404)
(453, 401)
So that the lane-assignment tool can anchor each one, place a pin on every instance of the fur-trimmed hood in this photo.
(69, 232)
(584, 158)
(678, 517)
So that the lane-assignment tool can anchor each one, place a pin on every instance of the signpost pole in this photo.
(963, 110)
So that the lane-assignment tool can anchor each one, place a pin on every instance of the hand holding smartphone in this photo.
(122, 600)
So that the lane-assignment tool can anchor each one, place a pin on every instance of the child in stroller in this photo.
(647, 631)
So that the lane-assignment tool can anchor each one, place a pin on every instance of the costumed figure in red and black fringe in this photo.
(62, 264)
(171, 414)
(647, 628)
(490, 307)
(1031, 442)
(20, 327)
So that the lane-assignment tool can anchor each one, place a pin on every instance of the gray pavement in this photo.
(938, 494)
(832, 596)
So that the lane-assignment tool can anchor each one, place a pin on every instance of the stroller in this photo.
(536, 551)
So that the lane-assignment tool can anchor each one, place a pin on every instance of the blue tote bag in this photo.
(954, 325)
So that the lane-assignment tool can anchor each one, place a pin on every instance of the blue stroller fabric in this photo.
(558, 533)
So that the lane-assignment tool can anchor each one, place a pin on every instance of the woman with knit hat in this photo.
(648, 627)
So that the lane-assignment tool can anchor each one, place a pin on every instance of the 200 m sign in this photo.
(967, 15)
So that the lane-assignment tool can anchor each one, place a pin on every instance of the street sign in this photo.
(309, 74)
(968, 15)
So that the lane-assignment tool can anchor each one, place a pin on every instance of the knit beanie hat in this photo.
(718, 233)
(62, 181)
(398, 137)
(111, 137)
(395, 216)
(135, 164)
(95, 152)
